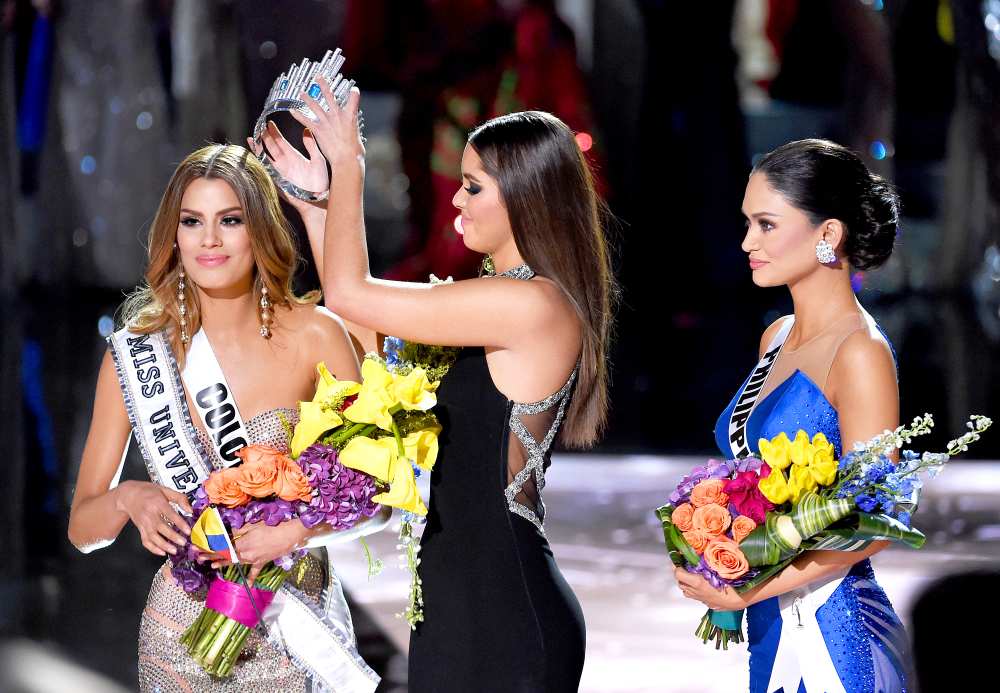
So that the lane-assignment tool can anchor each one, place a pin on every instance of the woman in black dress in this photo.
(499, 615)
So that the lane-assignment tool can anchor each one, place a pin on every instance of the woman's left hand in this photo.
(307, 172)
(694, 586)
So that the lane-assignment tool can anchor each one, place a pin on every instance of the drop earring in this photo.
(182, 305)
(265, 312)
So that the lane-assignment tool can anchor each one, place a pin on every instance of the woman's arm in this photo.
(98, 514)
(310, 173)
(863, 389)
(496, 312)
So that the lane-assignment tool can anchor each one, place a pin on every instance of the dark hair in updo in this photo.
(828, 181)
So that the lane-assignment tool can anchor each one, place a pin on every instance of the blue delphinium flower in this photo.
(865, 502)
(846, 461)
(392, 346)
(904, 517)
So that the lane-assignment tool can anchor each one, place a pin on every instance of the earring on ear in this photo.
(824, 252)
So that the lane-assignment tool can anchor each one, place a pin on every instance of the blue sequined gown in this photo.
(864, 640)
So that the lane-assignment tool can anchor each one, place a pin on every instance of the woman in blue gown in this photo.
(813, 212)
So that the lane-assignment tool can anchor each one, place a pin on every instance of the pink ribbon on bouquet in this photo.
(232, 600)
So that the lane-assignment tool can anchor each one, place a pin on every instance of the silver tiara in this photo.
(284, 96)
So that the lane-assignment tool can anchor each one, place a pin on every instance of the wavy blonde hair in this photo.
(154, 305)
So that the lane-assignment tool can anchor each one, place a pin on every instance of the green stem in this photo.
(399, 439)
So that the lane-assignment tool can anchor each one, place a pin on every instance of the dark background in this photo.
(99, 101)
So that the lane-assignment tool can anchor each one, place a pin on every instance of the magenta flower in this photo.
(746, 498)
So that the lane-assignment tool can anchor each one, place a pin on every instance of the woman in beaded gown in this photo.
(532, 369)
(814, 211)
(221, 258)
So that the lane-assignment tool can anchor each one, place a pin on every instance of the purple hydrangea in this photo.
(271, 513)
(200, 501)
(190, 575)
(341, 496)
(713, 469)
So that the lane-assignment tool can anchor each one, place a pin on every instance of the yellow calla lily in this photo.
(422, 447)
(775, 487)
(801, 449)
(775, 452)
(318, 416)
(329, 388)
(414, 391)
(375, 457)
(402, 491)
(314, 421)
(800, 480)
(374, 399)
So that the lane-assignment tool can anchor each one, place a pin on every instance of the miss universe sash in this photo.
(318, 638)
(747, 400)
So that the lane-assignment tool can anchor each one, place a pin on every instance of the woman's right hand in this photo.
(149, 507)
(336, 131)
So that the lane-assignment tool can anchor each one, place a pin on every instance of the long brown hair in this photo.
(556, 217)
(154, 305)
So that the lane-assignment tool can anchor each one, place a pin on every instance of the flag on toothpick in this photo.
(209, 534)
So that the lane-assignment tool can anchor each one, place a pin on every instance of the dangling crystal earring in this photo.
(265, 312)
(182, 306)
(824, 252)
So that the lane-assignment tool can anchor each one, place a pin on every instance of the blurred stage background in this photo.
(100, 100)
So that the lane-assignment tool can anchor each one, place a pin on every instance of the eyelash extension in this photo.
(473, 189)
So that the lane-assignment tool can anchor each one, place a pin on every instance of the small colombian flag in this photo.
(209, 534)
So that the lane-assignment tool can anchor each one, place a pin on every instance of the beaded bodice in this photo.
(264, 428)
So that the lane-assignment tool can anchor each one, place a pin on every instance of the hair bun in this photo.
(871, 238)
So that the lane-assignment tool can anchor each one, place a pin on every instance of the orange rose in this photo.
(291, 483)
(742, 526)
(711, 519)
(681, 517)
(698, 540)
(223, 488)
(259, 453)
(725, 558)
(259, 471)
(709, 491)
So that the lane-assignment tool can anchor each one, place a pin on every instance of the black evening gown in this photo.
(499, 614)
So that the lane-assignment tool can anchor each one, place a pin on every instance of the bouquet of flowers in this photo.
(267, 487)
(356, 447)
(384, 428)
(738, 523)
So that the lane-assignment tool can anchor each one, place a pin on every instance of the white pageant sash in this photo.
(158, 411)
(802, 654)
(213, 399)
(744, 406)
(320, 639)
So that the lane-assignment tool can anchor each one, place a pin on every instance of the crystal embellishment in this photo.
(286, 95)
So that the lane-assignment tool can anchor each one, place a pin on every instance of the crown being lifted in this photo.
(285, 96)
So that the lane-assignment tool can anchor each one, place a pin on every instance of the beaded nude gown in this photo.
(164, 664)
